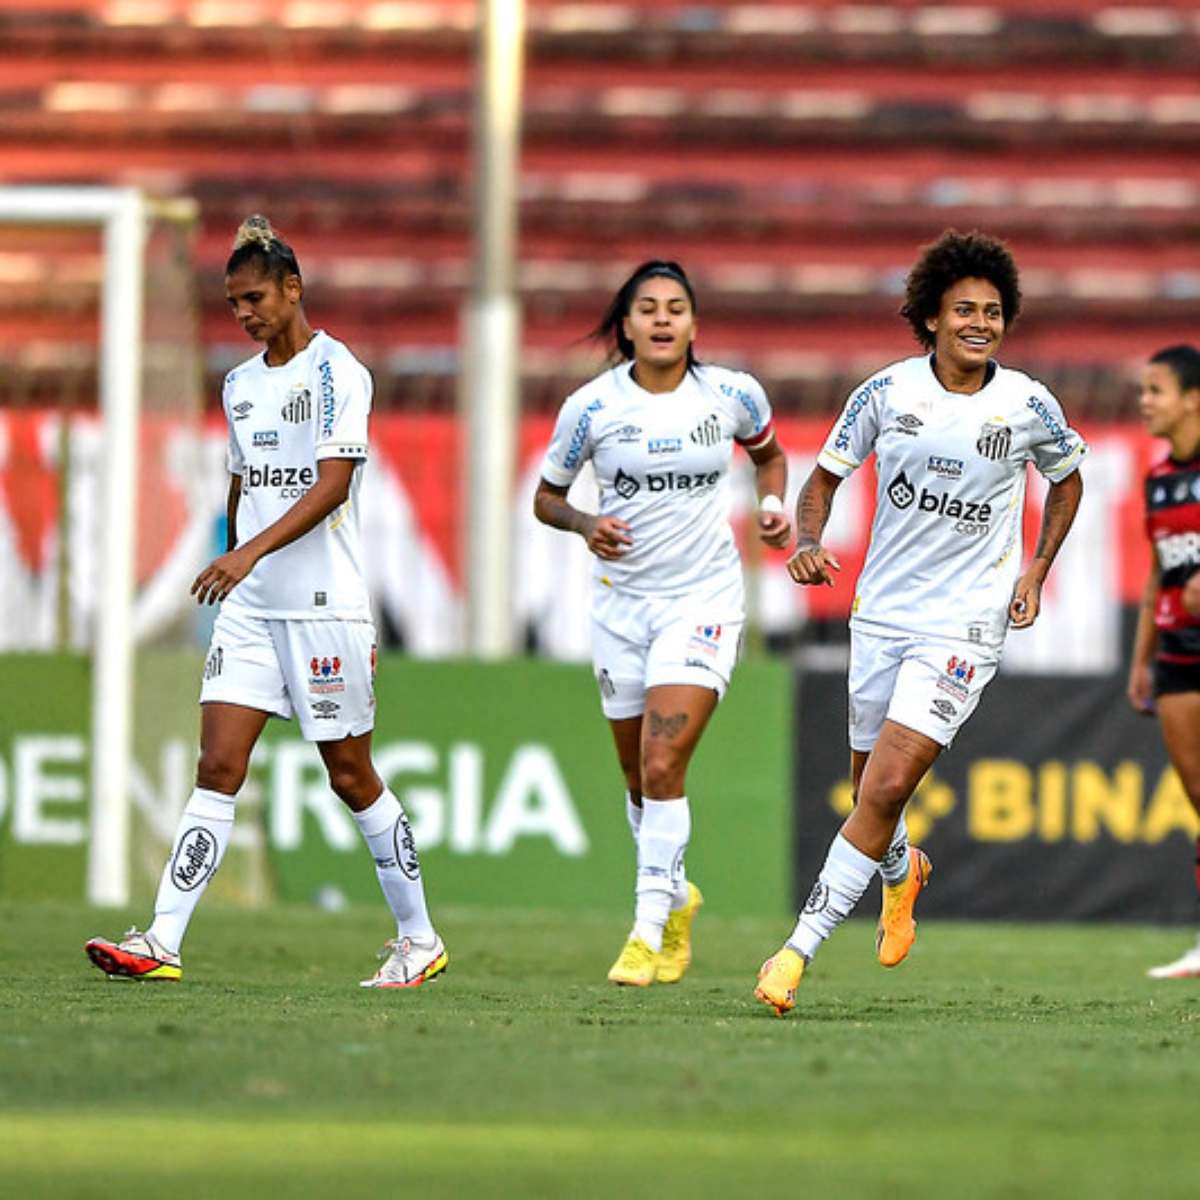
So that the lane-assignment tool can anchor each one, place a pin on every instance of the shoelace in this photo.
(401, 946)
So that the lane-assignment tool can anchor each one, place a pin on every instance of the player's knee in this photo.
(662, 771)
(886, 796)
(354, 785)
(220, 770)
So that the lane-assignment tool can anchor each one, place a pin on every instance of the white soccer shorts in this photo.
(640, 643)
(922, 683)
(321, 672)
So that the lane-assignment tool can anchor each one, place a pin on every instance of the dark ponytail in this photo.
(611, 327)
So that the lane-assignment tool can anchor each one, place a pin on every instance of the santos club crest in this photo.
(994, 441)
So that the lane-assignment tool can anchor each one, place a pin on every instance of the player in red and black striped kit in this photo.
(1164, 673)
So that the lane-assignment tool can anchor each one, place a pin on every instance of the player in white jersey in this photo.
(294, 635)
(667, 609)
(952, 432)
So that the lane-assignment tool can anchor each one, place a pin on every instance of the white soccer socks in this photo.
(839, 887)
(663, 836)
(201, 839)
(388, 835)
(633, 814)
(894, 864)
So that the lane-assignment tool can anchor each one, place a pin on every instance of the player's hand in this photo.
(607, 537)
(774, 529)
(1190, 597)
(1140, 688)
(1026, 602)
(221, 576)
(811, 563)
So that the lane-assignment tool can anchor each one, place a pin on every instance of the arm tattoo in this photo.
(667, 727)
(1061, 505)
(812, 510)
(553, 508)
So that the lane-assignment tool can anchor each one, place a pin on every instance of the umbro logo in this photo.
(243, 410)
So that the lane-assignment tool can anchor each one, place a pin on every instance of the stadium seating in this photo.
(793, 156)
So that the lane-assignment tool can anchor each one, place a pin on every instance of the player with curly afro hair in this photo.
(952, 433)
(953, 257)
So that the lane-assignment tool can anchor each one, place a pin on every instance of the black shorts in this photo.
(1172, 677)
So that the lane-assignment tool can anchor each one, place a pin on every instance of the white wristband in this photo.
(770, 504)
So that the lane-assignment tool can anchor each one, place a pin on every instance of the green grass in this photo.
(999, 1061)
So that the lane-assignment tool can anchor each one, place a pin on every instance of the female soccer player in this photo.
(294, 635)
(952, 432)
(1164, 671)
(667, 608)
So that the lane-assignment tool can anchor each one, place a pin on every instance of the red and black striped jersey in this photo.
(1173, 525)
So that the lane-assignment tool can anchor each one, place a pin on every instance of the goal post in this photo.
(121, 215)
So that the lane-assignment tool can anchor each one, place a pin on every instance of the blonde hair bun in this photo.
(256, 229)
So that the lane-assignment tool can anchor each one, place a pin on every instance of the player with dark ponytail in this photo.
(667, 604)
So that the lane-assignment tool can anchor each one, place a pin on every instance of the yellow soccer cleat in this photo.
(676, 954)
(897, 930)
(779, 978)
(636, 965)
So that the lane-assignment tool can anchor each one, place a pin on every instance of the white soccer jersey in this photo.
(946, 543)
(662, 463)
(282, 421)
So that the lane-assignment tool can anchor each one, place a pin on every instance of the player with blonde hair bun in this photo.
(294, 636)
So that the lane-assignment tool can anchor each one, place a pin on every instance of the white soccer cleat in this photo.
(1185, 967)
(408, 964)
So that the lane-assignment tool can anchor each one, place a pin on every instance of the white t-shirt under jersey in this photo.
(662, 463)
(946, 544)
(282, 422)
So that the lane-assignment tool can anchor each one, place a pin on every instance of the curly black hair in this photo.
(943, 263)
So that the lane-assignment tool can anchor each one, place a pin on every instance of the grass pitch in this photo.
(999, 1061)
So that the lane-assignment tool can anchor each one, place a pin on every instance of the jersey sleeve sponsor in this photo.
(1172, 498)
(852, 438)
(343, 404)
(1056, 449)
(573, 440)
(233, 452)
(755, 427)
